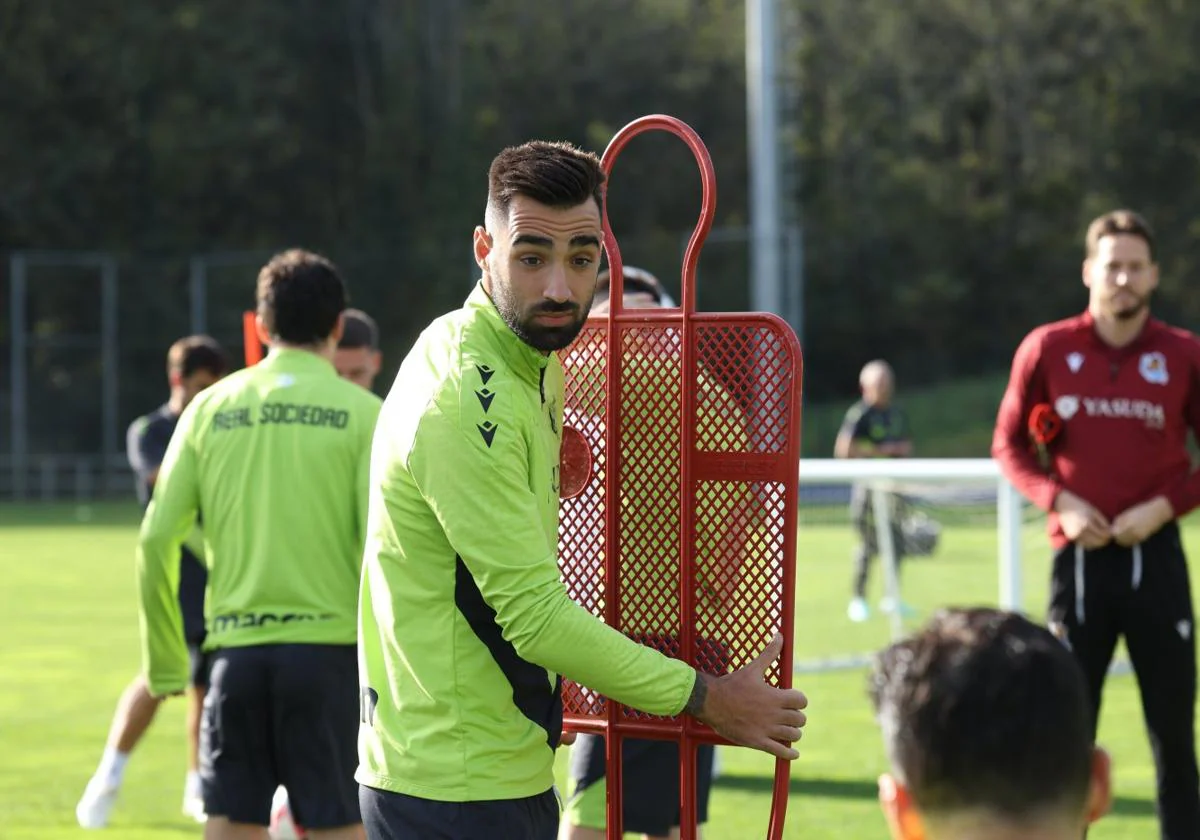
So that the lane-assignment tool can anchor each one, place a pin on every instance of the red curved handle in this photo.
(708, 205)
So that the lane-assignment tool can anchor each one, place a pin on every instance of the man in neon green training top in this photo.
(277, 456)
(464, 625)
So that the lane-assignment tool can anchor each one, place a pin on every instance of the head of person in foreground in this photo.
(539, 247)
(988, 730)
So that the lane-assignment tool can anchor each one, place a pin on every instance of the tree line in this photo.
(948, 153)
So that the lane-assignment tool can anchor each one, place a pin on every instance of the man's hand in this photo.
(896, 449)
(1140, 521)
(566, 738)
(1081, 522)
(743, 708)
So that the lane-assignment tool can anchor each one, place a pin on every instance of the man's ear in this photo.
(1084, 272)
(483, 245)
(339, 328)
(377, 360)
(264, 335)
(902, 818)
(1100, 785)
(174, 378)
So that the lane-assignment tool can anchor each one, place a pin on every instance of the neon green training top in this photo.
(277, 457)
(464, 623)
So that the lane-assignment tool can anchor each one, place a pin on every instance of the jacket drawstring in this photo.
(1137, 566)
(1079, 583)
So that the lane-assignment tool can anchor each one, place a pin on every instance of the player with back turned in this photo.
(277, 456)
(1114, 393)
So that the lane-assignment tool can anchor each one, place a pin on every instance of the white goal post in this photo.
(879, 472)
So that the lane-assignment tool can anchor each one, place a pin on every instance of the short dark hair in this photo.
(635, 280)
(1115, 223)
(360, 331)
(300, 295)
(194, 353)
(556, 174)
(984, 710)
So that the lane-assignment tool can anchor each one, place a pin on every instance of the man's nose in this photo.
(557, 289)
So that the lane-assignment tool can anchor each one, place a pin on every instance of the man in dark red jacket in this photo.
(1116, 392)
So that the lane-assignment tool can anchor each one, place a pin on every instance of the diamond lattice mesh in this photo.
(739, 406)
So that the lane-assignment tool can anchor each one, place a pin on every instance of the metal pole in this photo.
(795, 273)
(197, 291)
(881, 508)
(20, 397)
(1008, 512)
(109, 363)
(762, 104)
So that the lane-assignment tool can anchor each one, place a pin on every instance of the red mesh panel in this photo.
(739, 525)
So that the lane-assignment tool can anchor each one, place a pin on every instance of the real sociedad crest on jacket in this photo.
(1153, 368)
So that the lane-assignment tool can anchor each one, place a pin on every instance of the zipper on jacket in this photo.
(542, 385)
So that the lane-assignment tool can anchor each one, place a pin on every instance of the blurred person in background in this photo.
(193, 364)
(986, 724)
(358, 357)
(277, 457)
(874, 427)
(1093, 428)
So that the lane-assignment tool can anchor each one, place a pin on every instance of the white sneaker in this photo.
(193, 807)
(858, 610)
(283, 826)
(96, 803)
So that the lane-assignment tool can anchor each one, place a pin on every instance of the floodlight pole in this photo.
(762, 105)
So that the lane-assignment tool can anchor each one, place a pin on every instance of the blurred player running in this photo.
(193, 364)
(277, 456)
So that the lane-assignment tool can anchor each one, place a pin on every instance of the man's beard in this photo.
(1132, 310)
(544, 338)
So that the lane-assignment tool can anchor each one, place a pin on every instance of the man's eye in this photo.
(531, 259)
(583, 261)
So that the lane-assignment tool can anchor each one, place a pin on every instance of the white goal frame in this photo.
(879, 472)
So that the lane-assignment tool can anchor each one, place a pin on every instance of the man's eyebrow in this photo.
(578, 241)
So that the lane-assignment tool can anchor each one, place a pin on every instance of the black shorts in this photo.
(650, 784)
(397, 816)
(281, 715)
(193, 578)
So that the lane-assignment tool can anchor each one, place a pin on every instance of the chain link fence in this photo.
(85, 340)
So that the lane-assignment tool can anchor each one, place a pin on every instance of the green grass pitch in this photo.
(68, 621)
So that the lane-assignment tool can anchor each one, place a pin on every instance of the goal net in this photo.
(942, 532)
